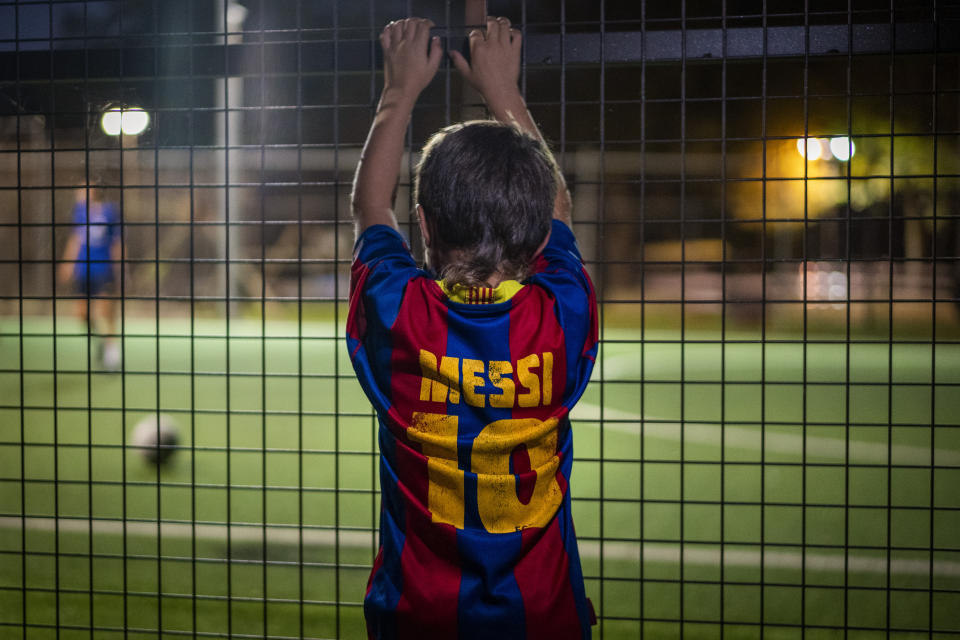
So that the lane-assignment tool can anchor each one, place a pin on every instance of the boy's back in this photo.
(473, 365)
(476, 449)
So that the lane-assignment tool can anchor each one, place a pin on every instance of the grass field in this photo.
(761, 485)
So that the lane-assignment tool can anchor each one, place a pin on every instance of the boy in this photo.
(472, 366)
(89, 260)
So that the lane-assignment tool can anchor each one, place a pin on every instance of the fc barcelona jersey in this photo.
(473, 389)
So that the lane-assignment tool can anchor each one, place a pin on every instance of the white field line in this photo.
(749, 439)
(660, 553)
(669, 554)
(246, 533)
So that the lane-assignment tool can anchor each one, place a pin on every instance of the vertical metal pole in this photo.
(803, 329)
(683, 305)
(263, 331)
(89, 398)
(601, 203)
(891, 281)
(475, 17)
(933, 333)
(374, 423)
(229, 95)
(53, 287)
(763, 317)
(475, 12)
(193, 355)
(723, 315)
(301, 618)
(20, 292)
(846, 325)
(123, 385)
(227, 24)
(156, 338)
(641, 454)
(337, 574)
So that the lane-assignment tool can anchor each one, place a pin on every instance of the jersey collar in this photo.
(481, 295)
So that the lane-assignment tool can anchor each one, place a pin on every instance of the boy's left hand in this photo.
(494, 66)
(408, 63)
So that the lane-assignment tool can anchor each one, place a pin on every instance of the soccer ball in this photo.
(155, 438)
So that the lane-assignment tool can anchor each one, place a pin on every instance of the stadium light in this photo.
(810, 148)
(842, 148)
(130, 121)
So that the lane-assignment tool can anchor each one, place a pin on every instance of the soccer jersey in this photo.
(473, 388)
(97, 235)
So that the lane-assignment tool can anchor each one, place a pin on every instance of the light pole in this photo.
(229, 97)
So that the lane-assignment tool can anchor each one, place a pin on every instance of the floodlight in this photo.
(810, 148)
(110, 122)
(131, 121)
(842, 148)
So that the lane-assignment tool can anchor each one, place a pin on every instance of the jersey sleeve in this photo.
(559, 269)
(382, 267)
(561, 253)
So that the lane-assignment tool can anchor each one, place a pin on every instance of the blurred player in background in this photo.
(91, 261)
(473, 364)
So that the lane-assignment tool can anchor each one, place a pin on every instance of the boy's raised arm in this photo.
(494, 71)
(410, 60)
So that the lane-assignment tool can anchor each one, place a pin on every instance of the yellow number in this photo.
(499, 505)
(437, 435)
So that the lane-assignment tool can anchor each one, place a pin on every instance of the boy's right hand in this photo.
(494, 67)
(408, 64)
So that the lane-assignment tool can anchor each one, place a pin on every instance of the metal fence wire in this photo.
(766, 193)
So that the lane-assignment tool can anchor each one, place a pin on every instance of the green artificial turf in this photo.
(839, 462)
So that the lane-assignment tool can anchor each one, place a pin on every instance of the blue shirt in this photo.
(97, 235)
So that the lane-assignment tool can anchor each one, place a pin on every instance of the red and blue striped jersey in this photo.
(473, 389)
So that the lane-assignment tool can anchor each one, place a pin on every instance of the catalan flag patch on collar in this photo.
(481, 295)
